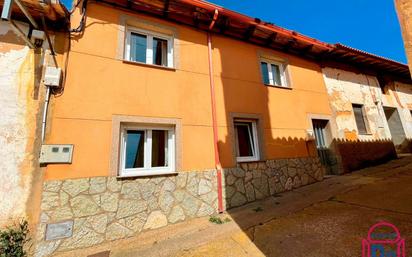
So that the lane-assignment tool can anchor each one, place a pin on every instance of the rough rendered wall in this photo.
(345, 88)
(19, 109)
(404, 9)
(404, 93)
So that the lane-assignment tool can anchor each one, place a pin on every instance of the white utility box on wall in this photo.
(52, 77)
(56, 154)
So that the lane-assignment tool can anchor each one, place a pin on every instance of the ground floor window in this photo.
(360, 119)
(246, 140)
(147, 151)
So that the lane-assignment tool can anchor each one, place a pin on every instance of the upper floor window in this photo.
(273, 73)
(149, 47)
(383, 84)
(360, 118)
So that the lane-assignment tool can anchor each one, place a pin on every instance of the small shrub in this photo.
(13, 239)
(218, 220)
(258, 209)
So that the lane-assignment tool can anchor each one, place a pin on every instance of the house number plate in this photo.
(59, 230)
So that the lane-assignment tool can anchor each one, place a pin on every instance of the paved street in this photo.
(324, 219)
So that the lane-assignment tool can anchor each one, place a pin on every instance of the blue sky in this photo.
(369, 25)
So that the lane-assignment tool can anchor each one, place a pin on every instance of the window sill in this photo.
(365, 134)
(149, 65)
(147, 174)
(276, 86)
(247, 160)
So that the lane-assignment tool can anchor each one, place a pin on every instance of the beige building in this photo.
(404, 9)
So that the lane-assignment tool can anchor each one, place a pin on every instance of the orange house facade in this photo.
(169, 122)
(173, 110)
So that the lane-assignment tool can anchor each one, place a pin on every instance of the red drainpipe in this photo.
(214, 120)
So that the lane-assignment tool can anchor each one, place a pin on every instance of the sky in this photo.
(369, 25)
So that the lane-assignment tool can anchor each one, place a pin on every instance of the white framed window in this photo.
(149, 47)
(273, 73)
(146, 151)
(247, 147)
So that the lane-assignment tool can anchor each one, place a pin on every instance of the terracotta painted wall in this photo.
(100, 85)
(403, 96)
(284, 111)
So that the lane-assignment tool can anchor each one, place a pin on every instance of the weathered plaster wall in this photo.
(404, 9)
(346, 88)
(19, 104)
(404, 93)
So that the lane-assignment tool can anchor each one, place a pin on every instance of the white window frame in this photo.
(254, 136)
(149, 46)
(147, 170)
(282, 70)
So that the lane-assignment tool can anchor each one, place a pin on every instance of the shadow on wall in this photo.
(257, 180)
(405, 146)
(288, 160)
(252, 181)
(355, 155)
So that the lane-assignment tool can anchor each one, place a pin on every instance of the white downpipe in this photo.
(47, 99)
(46, 106)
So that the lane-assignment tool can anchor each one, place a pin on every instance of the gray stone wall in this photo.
(258, 180)
(108, 208)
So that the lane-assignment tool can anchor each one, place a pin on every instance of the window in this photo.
(273, 73)
(147, 151)
(360, 118)
(150, 48)
(382, 84)
(246, 140)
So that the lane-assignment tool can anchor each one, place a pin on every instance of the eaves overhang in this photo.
(362, 60)
(56, 15)
(200, 14)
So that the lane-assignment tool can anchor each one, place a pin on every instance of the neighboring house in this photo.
(371, 101)
(404, 10)
(23, 55)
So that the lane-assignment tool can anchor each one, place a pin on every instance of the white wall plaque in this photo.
(59, 230)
